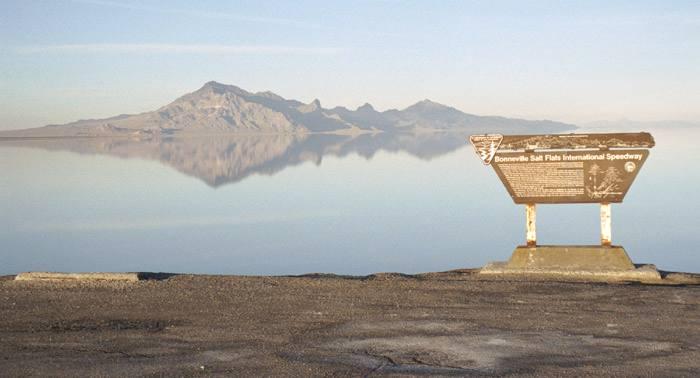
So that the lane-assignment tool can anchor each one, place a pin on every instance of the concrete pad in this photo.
(645, 273)
(571, 258)
(51, 276)
(582, 262)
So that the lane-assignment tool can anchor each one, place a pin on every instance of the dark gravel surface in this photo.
(451, 323)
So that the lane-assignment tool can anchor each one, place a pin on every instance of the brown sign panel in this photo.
(591, 176)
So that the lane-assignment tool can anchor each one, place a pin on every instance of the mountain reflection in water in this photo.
(220, 160)
(406, 202)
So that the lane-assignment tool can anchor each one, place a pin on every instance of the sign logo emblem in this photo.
(486, 146)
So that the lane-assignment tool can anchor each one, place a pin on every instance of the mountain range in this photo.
(221, 109)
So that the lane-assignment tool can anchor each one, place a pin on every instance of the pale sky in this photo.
(63, 60)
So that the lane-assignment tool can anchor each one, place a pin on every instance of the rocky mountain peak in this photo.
(219, 88)
(213, 83)
(313, 106)
(367, 107)
(427, 104)
(270, 95)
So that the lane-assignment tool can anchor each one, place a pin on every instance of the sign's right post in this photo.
(605, 225)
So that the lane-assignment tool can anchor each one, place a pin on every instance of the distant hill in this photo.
(218, 108)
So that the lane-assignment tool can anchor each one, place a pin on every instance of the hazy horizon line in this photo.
(179, 49)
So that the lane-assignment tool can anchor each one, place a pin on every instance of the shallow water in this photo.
(291, 205)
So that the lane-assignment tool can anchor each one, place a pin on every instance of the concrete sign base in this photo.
(597, 262)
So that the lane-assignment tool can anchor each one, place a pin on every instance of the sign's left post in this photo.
(531, 224)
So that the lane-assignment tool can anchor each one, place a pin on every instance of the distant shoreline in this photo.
(670, 278)
(229, 134)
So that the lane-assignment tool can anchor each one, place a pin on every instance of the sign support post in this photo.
(605, 224)
(531, 220)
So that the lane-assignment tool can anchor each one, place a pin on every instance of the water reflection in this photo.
(378, 202)
(222, 160)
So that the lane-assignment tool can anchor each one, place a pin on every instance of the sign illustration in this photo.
(486, 145)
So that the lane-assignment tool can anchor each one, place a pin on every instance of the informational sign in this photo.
(568, 176)
(569, 168)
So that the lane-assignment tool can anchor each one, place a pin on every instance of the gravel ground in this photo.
(452, 323)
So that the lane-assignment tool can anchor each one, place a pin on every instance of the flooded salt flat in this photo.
(292, 204)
